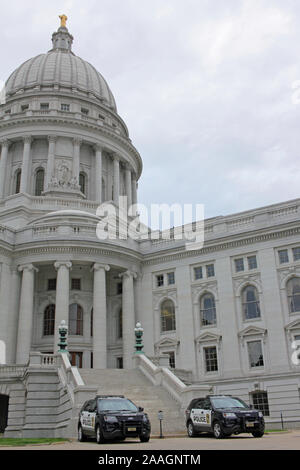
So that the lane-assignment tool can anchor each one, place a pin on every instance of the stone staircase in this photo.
(135, 386)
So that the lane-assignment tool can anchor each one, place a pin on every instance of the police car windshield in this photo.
(227, 402)
(116, 404)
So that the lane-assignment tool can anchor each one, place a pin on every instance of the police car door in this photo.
(201, 415)
(88, 417)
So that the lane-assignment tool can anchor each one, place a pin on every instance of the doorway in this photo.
(3, 412)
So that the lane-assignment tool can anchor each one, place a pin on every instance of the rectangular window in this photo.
(85, 111)
(65, 107)
(119, 288)
(24, 107)
(260, 402)
(171, 278)
(44, 106)
(211, 359)
(120, 362)
(255, 354)
(252, 262)
(210, 270)
(8, 111)
(283, 256)
(198, 273)
(159, 280)
(76, 284)
(296, 253)
(52, 284)
(239, 264)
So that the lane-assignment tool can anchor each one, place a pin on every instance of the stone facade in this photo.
(223, 313)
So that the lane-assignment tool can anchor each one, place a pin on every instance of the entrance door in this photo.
(3, 412)
(76, 359)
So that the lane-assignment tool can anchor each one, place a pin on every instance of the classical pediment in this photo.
(252, 331)
(167, 342)
(294, 325)
(208, 337)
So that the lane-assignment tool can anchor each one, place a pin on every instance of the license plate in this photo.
(131, 429)
(249, 425)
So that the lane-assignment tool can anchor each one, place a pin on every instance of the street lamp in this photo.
(139, 331)
(63, 331)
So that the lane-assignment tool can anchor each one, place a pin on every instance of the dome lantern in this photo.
(62, 40)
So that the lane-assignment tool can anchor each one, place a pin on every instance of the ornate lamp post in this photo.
(63, 331)
(139, 331)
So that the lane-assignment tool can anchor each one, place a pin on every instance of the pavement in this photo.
(271, 441)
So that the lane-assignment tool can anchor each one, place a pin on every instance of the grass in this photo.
(28, 441)
(275, 430)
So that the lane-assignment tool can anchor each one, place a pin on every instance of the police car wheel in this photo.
(81, 436)
(99, 435)
(191, 430)
(218, 431)
(258, 434)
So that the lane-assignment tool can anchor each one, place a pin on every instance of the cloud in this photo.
(207, 89)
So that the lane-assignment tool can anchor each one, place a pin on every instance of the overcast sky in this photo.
(209, 89)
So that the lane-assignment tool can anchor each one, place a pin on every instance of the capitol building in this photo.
(226, 315)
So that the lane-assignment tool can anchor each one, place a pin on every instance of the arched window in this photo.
(293, 294)
(82, 182)
(49, 320)
(103, 195)
(120, 324)
(75, 320)
(207, 310)
(18, 181)
(39, 181)
(250, 300)
(167, 316)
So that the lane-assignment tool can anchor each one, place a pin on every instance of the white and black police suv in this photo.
(112, 417)
(223, 415)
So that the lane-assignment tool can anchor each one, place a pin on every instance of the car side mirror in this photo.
(251, 407)
(141, 408)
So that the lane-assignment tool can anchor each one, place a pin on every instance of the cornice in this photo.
(85, 124)
(181, 253)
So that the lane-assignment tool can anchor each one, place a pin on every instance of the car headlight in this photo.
(260, 414)
(229, 415)
(110, 419)
(145, 419)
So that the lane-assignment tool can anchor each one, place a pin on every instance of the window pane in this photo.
(82, 183)
(168, 322)
(208, 310)
(293, 291)
(252, 263)
(75, 320)
(198, 273)
(296, 253)
(255, 354)
(211, 360)
(39, 182)
(260, 402)
(76, 284)
(171, 278)
(52, 284)
(239, 264)
(210, 270)
(251, 307)
(159, 280)
(283, 256)
(49, 319)
(18, 182)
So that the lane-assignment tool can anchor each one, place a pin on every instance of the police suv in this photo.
(223, 415)
(112, 417)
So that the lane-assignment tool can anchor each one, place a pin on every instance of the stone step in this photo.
(135, 386)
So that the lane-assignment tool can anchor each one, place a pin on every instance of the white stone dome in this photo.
(60, 68)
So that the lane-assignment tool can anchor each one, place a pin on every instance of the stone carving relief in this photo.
(63, 178)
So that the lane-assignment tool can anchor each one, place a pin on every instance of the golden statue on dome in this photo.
(63, 21)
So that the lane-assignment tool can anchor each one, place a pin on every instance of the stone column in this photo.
(3, 164)
(116, 179)
(128, 318)
(62, 297)
(98, 173)
(134, 190)
(14, 304)
(128, 185)
(25, 313)
(50, 161)
(76, 158)
(25, 165)
(99, 317)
